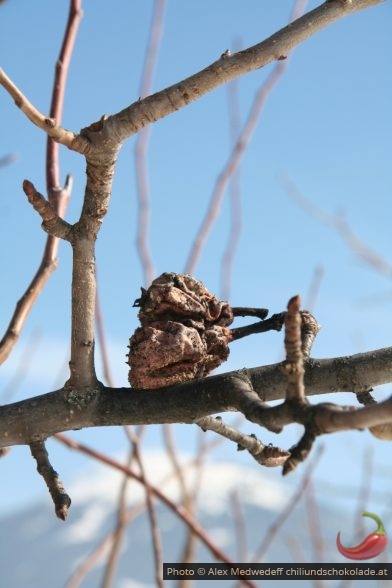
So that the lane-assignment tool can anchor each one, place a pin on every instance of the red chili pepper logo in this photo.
(370, 547)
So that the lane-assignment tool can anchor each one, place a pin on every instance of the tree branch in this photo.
(53, 184)
(266, 455)
(134, 117)
(61, 500)
(71, 408)
(178, 510)
(52, 222)
(58, 196)
(47, 124)
(24, 305)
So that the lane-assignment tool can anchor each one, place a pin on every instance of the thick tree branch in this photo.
(40, 417)
(133, 118)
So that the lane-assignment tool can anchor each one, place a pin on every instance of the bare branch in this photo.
(67, 409)
(178, 510)
(142, 143)
(238, 151)
(52, 222)
(384, 431)
(339, 224)
(58, 196)
(53, 185)
(293, 367)
(130, 120)
(24, 305)
(152, 515)
(234, 196)
(118, 534)
(274, 323)
(49, 125)
(107, 372)
(272, 531)
(99, 551)
(266, 455)
(60, 498)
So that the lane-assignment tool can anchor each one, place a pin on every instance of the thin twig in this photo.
(119, 531)
(8, 159)
(313, 515)
(274, 323)
(142, 143)
(60, 498)
(266, 455)
(340, 225)
(118, 535)
(55, 192)
(100, 550)
(58, 197)
(382, 431)
(314, 287)
(235, 194)
(151, 510)
(26, 358)
(47, 124)
(177, 509)
(236, 155)
(116, 538)
(188, 502)
(239, 521)
(107, 372)
(26, 302)
(272, 531)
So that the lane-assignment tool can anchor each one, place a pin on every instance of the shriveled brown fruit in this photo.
(183, 333)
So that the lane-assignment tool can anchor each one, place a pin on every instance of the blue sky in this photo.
(327, 126)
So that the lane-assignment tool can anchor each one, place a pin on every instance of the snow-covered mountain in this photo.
(38, 551)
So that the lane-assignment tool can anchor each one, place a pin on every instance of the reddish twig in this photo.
(239, 526)
(313, 513)
(58, 197)
(53, 185)
(152, 514)
(107, 372)
(177, 509)
(142, 143)
(119, 532)
(26, 359)
(237, 153)
(272, 531)
(188, 502)
(314, 287)
(235, 195)
(100, 551)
